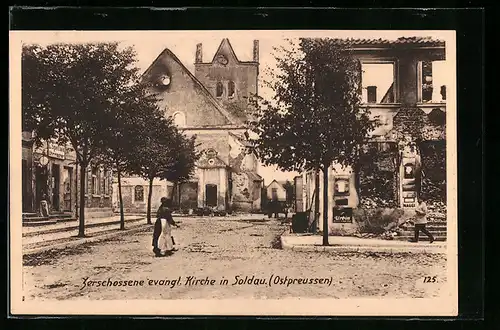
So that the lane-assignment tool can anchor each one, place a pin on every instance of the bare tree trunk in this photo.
(150, 195)
(179, 185)
(120, 197)
(357, 180)
(76, 188)
(325, 205)
(81, 224)
(316, 198)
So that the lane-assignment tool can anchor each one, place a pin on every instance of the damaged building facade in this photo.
(404, 84)
(211, 103)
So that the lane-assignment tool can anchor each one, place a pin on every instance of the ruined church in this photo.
(211, 103)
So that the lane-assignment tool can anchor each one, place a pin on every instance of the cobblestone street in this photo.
(221, 248)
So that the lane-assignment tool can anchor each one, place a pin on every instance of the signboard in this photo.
(342, 215)
(56, 151)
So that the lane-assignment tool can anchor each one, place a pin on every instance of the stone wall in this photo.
(214, 139)
(183, 94)
(243, 75)
(134, 188)
(189, 195)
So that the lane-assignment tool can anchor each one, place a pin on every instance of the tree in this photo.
(163, 152)
(67, 91)
(314, 118)
(127, 127)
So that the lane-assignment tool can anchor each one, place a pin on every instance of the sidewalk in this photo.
(64, 234)
(73, 224)
(355, 244)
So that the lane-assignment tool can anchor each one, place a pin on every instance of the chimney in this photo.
(199, 54)
(256, 50)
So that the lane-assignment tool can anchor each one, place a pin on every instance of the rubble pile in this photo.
(376, 202)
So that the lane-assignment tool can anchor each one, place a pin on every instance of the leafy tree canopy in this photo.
(69, 88)
(163, 152)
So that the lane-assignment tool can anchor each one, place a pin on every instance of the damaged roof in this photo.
(420, 41)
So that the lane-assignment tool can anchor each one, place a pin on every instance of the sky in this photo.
(149, 44)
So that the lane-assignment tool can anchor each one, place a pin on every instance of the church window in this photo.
(179, 119)
(139, 193)
(219, 89)
(231, 89)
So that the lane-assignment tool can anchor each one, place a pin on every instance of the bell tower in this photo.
(226, 77)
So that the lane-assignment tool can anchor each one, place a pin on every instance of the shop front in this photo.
(53, 178)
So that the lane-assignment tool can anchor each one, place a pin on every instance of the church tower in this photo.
(228, 79)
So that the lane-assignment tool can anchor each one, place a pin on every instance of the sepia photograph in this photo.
(284, 172)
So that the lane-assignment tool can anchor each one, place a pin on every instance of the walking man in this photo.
(421, 221)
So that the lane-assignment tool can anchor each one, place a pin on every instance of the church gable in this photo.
(210, 160)
(181, 95)
(225, 54)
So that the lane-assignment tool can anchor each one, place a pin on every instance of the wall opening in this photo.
(56, 179)
(26, 182)
(432, 79)
(95, 181)
(211, 195)
(68, 182)
(371, 94)
(219, 89)
(377, 83)
(139, 193)
(231, 89)
(179, 119)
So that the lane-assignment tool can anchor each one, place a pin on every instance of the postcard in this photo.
(246, 172)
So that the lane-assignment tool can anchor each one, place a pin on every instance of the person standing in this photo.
(421, 221)
(162, 234)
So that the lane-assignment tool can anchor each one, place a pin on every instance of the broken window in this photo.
(219, 89)
(231, 89)
(377, 82)
(371, 94)
(427, 87)
(433, 77)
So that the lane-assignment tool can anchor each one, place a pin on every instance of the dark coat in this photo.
(162, 213)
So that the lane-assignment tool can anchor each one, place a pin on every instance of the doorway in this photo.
(56, 179)
(26, 184)
(67, 182)
(274, 194)
(211, 195)
(40, 185)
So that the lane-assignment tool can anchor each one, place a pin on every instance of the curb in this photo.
(357, 248)
(85, 240)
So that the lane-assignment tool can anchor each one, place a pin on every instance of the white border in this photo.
(446, 305)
